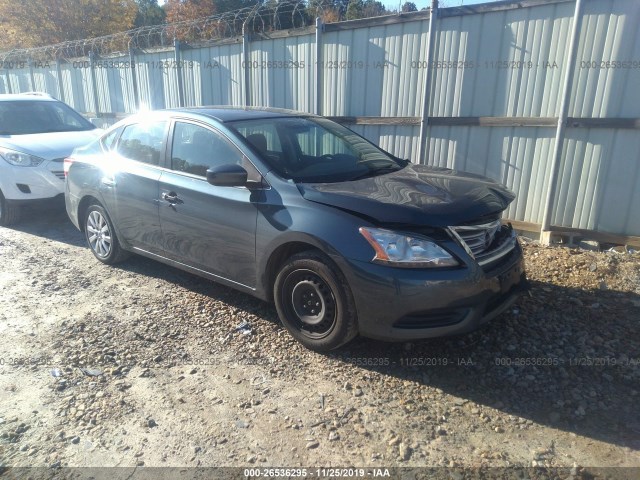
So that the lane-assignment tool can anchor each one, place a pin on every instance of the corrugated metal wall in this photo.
(512, 66)
(528, 38)
(599, 181)
(372, 71)
(599, 166)
(213, 75)
(281, 72)
(510, 63)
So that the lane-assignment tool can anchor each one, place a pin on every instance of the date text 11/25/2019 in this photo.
(317, 472)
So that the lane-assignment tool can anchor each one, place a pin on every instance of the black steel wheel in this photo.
(314, 302)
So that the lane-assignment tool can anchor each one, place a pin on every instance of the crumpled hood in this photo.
(49, 145)
(415, 195)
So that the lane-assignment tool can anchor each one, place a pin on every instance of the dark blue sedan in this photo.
(343, 237)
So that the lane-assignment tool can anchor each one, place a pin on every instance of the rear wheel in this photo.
(101, 236)
(9, 214)
(314, 302)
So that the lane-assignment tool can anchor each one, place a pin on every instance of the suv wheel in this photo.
(314, 302)
(101, 236)
(9, 213)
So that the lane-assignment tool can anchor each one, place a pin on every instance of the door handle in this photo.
(108, 182)
(172, 198)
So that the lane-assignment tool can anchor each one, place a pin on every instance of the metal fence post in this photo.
(134, 78)
(562, 120)
(178, 70)
(94, 84)
(426, 104)
(246, 92)
(32, 79)
(60, 84)
(319, 67)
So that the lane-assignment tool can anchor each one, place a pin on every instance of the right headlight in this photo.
(398, 249)
(20, 159)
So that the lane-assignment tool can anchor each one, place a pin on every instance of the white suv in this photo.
(36, 133)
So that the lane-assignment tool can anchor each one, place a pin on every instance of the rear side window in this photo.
(143, 142)
(195, 149)
(108, 141)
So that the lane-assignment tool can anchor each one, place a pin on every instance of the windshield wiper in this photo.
(373, 172)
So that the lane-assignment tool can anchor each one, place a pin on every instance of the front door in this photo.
(207, 227)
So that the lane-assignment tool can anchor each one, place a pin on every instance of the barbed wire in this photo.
(261, 19)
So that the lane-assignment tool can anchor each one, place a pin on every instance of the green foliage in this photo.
(328, 10)
(149, 13)
(409, 7)
(45, 22)
(364, 9)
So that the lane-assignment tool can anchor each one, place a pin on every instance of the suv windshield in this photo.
(315, 149)
(24, 117)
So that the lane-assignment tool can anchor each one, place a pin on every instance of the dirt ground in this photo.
(141, 365)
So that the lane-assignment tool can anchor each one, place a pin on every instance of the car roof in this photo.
(232, 114)
(29, 96)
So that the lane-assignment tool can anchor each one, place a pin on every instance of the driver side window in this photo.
(196, 149)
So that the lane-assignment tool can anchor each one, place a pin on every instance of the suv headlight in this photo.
(401, 250)
(20, 159)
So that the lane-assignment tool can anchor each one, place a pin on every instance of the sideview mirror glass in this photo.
(230, 175)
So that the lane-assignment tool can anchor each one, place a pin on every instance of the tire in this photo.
(9, 214)
(314, 302)
(101, 236)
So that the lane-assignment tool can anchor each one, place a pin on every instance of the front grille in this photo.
(478, 238)
(485, 242)
(58, 173)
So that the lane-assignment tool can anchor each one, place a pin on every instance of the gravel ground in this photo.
(142, 365)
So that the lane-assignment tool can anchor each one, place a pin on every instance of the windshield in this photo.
(315, 149)
(24, 117)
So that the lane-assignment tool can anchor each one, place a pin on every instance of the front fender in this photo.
(330, 230)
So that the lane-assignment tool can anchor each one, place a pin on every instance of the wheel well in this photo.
(82, 208)
(277, 259)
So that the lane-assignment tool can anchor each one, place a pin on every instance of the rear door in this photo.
(207, 227)
(130, 184)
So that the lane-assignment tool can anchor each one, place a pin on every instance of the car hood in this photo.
(49, 145)
(415, 195)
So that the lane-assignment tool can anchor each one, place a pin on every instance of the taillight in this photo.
(67, 164)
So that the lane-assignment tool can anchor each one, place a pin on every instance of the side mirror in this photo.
(229, 175)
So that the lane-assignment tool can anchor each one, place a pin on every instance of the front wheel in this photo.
(314, 302)
(101, 236)
(9, 214)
